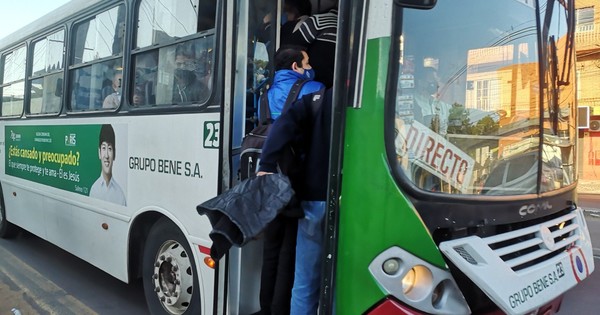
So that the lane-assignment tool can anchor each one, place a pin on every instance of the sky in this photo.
(16, 14)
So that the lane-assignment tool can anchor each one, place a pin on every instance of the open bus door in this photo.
(250, 50)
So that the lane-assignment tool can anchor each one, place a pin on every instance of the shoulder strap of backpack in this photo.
(293, 95)
(264, 111)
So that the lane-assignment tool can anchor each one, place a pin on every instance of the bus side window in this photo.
(13, 82)
(97, 60)
(173, 71)
(47, 74)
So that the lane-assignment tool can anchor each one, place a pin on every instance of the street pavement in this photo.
(590, 202)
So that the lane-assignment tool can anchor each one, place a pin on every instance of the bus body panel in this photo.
(363, 235)
(154, 155)
(379, 211)
(520, 291)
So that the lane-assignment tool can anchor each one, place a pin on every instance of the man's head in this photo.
(427, 81)
(294, 9)
(138, 95)
(295, 59)
(116, 82)
(185, 63)
(106, 149)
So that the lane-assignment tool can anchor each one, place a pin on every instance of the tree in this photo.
(486, 126)
(458, 120)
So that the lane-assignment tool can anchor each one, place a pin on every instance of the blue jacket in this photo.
(282, 84)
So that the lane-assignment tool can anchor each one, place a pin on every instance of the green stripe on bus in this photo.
(374, 213)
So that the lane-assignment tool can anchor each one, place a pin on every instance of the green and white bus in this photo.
(452, 186)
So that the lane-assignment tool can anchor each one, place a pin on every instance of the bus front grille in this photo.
(528, 246)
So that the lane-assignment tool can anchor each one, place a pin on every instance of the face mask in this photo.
(186, 75)
(309, 73)
(432, 88)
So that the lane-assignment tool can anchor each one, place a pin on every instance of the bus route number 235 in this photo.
(211, 134)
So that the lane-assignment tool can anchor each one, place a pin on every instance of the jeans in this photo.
(309, 247)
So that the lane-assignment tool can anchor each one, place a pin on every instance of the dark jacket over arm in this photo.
(314, 127)
(241, 213)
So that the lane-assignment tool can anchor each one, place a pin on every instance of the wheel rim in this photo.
(173, 277)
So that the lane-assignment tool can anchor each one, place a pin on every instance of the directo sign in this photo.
(437, 155)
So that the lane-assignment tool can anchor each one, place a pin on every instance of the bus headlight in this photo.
(408, 282)
(417, 283)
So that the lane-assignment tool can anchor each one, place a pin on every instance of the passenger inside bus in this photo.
(261, 71)
(318, 34)
(139, 97)
(188, 87)
(294, 13)
(298, 123)
(429, 109)
(146, 72)
(279, 248)
(112, 93)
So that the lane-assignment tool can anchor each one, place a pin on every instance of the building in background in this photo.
(587, 45)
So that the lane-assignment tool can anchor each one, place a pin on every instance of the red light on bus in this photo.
(389, 306)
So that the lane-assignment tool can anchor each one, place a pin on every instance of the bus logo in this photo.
(533, 208)
(15, 136)
(547, 238)
(70, 140)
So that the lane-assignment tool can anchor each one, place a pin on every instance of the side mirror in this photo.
(59, 87)
(417, 4)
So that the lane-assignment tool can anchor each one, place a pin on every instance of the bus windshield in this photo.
(473, 114)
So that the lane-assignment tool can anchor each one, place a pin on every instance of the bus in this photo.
(452, 174)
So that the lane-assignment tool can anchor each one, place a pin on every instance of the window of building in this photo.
(47, 74)
(13, 82)
(487, 95)
(96, 69)
(585, 19)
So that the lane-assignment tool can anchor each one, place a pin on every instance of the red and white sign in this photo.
(438, 156)
(579, 264)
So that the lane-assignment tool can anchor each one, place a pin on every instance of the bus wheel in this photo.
(169, 274)
(7, 229)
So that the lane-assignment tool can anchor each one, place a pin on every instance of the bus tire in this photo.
(7, 229)
(169, 272)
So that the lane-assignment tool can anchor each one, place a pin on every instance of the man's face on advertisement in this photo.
(107, 156)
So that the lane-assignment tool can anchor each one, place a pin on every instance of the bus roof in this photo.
(48, 20)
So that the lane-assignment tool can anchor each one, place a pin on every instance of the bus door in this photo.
(254, 41)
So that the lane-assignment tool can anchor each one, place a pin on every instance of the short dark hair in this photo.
(286, 56)
(107, 134)
(303, 7)
(185, 49)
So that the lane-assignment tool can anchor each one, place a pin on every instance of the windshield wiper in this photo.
(565, 78)
(553, 84)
